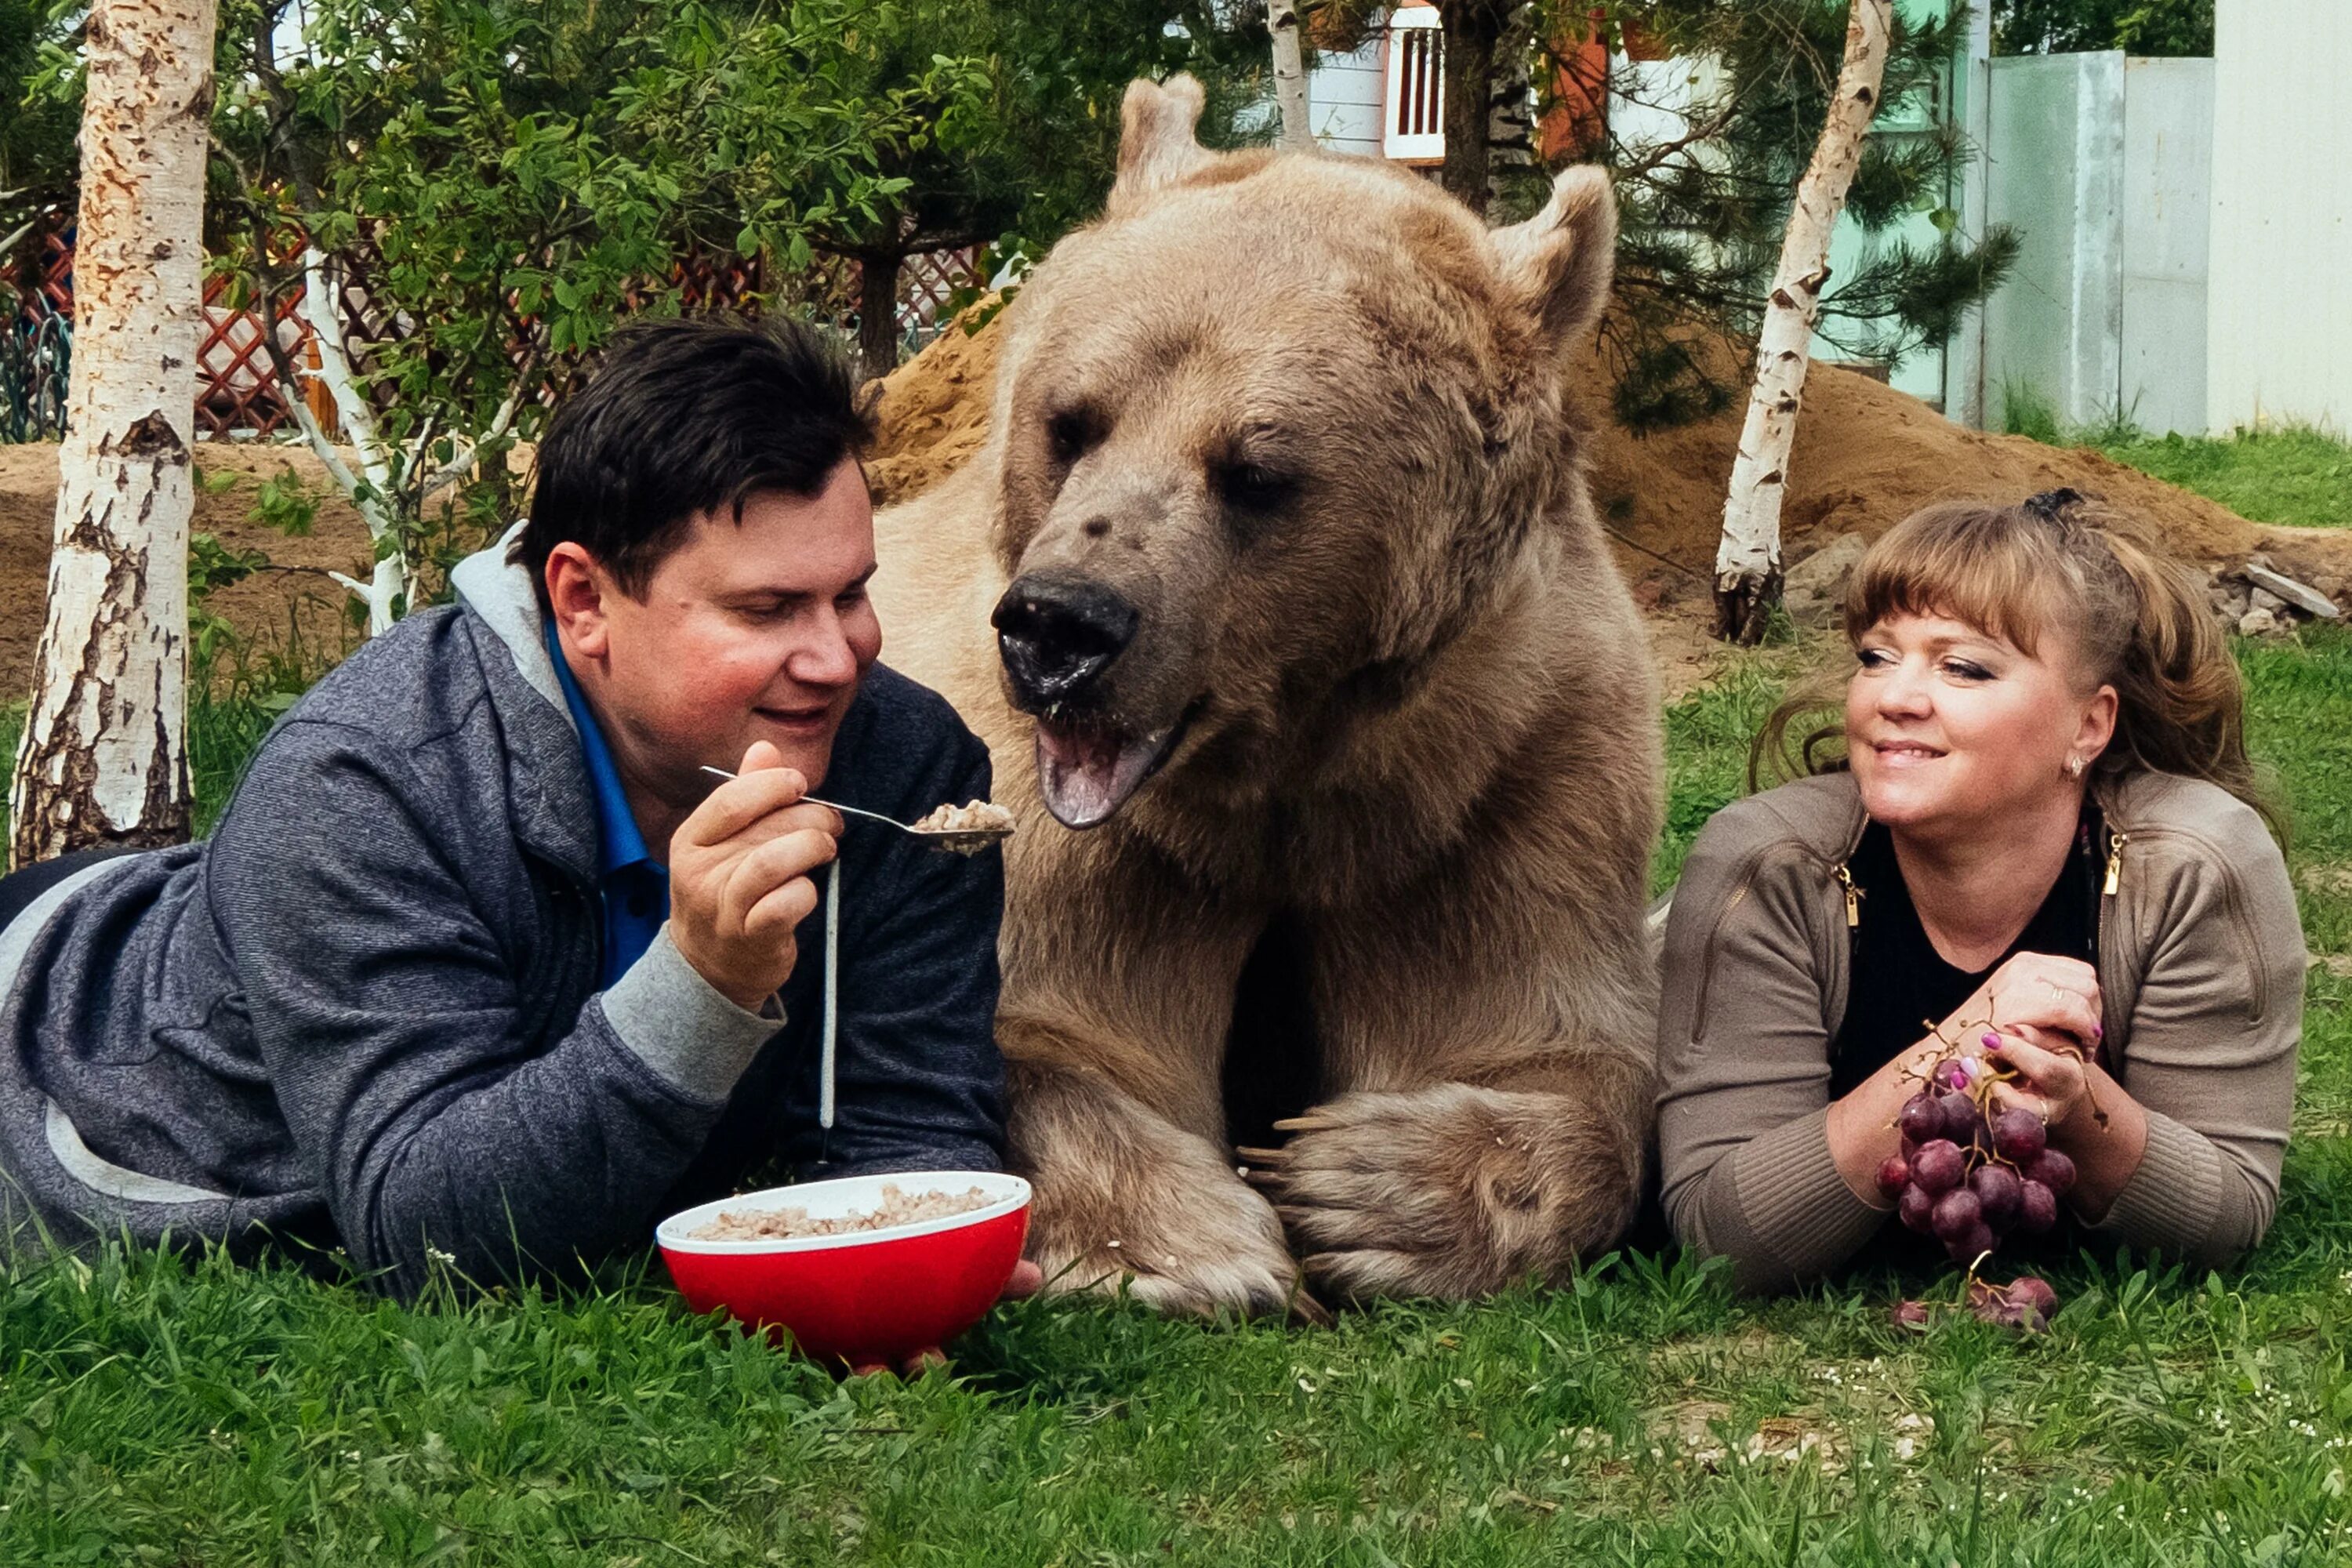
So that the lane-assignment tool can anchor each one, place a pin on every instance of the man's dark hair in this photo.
(685, 416)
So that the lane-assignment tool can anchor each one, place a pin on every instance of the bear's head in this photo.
(1272, 434)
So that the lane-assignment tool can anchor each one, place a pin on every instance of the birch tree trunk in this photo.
(1748, 561)
(104, 755)
(1289, 74)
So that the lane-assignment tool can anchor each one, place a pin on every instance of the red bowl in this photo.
(870, 1295)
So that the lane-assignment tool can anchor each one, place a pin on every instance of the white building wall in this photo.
(2279, 327)
(1343, 100)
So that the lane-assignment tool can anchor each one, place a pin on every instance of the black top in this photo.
(1902, 986)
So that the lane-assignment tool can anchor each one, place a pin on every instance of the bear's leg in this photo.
(1118, 996)
(1459, 1190)
(1491, 1101)
(1126, 1198)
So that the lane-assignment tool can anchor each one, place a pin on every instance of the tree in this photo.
(1486, 52)
(1703, 202)
(1019, 147)
(1746, 85)
(1747, 562)
(1289, 74)
(487, 187)
(2136, 26)
(103, 759)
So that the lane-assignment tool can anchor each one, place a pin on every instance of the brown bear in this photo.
(1329, 728)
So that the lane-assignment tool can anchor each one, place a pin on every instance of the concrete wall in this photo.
(2279, 322)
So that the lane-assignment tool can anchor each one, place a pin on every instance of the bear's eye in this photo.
(1252, 487)
(1069, 434)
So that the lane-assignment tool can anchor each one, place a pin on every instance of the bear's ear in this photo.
(1156, 149)
(1558, 262)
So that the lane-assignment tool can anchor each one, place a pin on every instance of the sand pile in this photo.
(1866, 455)
(933, 413)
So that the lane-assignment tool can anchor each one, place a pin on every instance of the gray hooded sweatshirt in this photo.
(364, 1014)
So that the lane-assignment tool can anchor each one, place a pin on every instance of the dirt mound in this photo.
(933, 412)
(1866, 456)
(296, 591)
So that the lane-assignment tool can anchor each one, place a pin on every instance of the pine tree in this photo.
(1703, 214)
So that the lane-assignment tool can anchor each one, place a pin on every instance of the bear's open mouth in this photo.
(1086, 768)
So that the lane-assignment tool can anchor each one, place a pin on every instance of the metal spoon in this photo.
(955, 840)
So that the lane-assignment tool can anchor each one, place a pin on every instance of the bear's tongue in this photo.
(1088, 774)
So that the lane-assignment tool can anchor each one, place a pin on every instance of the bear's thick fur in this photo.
(1370, 739)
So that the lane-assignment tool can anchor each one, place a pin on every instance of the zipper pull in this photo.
(2116, 842)
(1853, 898)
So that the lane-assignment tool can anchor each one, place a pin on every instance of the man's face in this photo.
(757, 632)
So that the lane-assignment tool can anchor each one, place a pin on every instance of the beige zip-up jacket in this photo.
(2201, 975)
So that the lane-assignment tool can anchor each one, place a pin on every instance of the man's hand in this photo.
(739, 877)
(1027, 1280)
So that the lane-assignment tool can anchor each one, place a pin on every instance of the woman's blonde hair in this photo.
(2064, 563)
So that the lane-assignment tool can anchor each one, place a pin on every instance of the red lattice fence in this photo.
(239, 395)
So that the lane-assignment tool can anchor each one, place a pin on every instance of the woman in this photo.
(2041, 843)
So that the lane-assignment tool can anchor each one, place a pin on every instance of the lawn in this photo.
(153, 1410)
(2291, 475)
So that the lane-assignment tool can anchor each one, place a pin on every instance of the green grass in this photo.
(10, 733)
(157, 1409)
(153, 1409)
(2295, 476)
(2298, 477)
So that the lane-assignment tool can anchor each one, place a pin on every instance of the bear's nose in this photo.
(1057, 634)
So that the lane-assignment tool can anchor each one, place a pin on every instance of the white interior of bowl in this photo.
(845, 1195)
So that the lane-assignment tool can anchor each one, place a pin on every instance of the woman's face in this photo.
(1948, 728)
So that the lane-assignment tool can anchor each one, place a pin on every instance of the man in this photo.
(479, 961)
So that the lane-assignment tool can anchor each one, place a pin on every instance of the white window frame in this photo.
(1413, 99)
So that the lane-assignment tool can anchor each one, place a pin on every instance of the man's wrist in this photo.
(692, 1033)
(748, 998)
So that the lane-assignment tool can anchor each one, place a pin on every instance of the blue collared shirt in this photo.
(634, 885)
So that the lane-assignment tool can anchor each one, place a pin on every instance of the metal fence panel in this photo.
(2279, 330)
(2053, 171)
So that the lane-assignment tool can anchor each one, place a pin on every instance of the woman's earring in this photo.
(2074, 767)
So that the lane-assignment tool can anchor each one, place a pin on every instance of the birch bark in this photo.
(1289, 74)
(103, 761)
(1748, 560)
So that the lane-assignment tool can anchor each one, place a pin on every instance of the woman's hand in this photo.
(2039, 998)
(2053, 1082)
(2036, 996)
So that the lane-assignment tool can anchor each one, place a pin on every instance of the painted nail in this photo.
(1991, 1040)
(2098, 1031)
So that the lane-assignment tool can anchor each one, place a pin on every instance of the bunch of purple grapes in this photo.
(1968, 1180)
